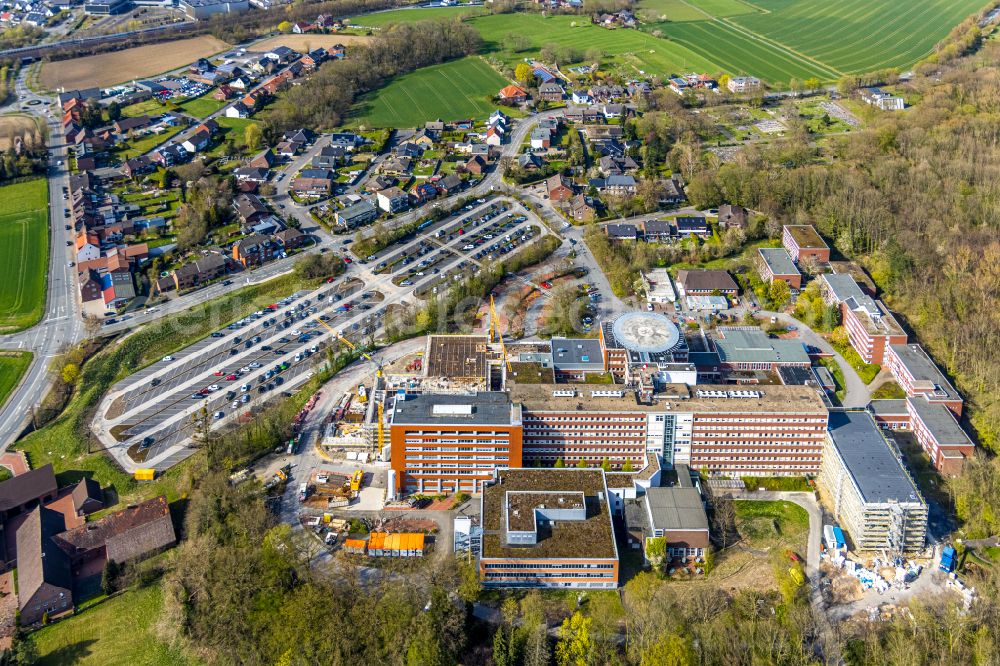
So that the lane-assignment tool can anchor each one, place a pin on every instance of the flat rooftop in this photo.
(888, 407)
(577, 354)
(676, 397)
(456, 356)
(927, 376)
(592, 538)
(875, 317)
(778, 260)
(736, 345)
(475, 409)
(940, 421)
(806, 236)
(676, 508)
(878, 475)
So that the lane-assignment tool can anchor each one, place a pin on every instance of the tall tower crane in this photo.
(378, 373)
(495, 332)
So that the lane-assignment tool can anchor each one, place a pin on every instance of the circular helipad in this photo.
(648, 332)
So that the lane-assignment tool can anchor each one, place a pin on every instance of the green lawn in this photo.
(201, 107)
(147, 142)
(117, 632)
(382, 19)
(231, 128)
(12, 367)
(450, 91)
(24, 253)
(150, 107)
(889, 391)
(769, 523)
(631, 49)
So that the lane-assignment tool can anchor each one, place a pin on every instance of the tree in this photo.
(582, 464)
(252, 137)
(779, 293)
(573, 646)
(109, 577)
(723, 519)
(628, 467)
(114, 111)
(285, 27)
(656, 551)
(524, 73)
(670, 650)
(812, 84)
(606, 465)
(559, 464)
(516, 42)
(70, 373)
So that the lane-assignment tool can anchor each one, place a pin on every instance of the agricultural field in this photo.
(12, 367)
(690, 10)
(303, 43)
(382, 19)
(450, 91)
(853, 36)
(738, 52)
(24, 253)
(118, 66)
(16, 125)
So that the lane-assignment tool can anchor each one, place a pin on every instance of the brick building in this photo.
(803, 242)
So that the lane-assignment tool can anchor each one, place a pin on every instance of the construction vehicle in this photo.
(303, 492)
(356, 480)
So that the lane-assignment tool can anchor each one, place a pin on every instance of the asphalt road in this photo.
(61, 326)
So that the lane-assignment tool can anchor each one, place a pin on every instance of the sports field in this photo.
(24, 253)
(450, 91)
(12, 367)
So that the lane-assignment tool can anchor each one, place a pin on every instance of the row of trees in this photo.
(325, 99)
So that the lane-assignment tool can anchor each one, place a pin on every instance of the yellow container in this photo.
(145, 474)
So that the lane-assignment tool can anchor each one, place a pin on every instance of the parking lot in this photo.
(226, 375)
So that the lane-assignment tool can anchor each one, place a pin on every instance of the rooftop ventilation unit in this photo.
(564, 394)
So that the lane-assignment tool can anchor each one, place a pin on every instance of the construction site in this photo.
(357, 427)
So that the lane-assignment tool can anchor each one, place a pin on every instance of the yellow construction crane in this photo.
(378, 373)
(495, 331)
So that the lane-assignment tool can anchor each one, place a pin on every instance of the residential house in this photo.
(346, 140)
(198, 141)
(615, 185)
(87, 246)
(290, 239)
(528, 161)
(396, 166)
(621, 232)
(882, 100)
(168, 156)
(425, 191)
(423, 139)
(743, 84)
(658, 230)
(123, 126)
(494, 136)
(692, 224)
(476, 165)
(541, 139)
(313, 182)
(612, 165)
(252, 174)
(250, 209)
(356, 215)
(450, 184)
(137, 166)
(263, 160)
(238, 110)
(673, 192)
(551, 91)
(581, 97)
(393, 200)
(329, 157)
(559, 189)
(512, 95)
(581, 209)
(23, 492)
(198, 272)
(733, 216)
(595, 132)
(253, 250)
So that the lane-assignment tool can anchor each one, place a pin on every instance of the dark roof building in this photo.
(44, 580)
(87, 497)
(27, 490)
(134, 532)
